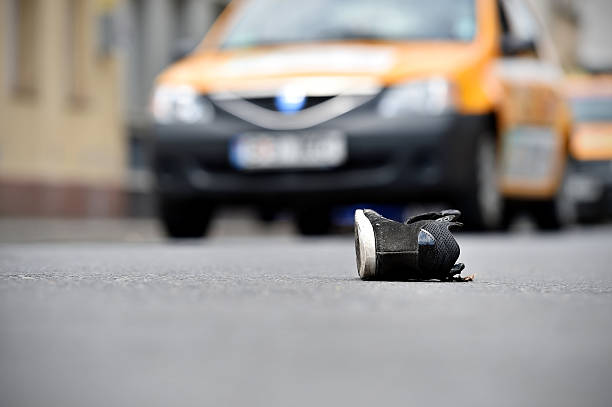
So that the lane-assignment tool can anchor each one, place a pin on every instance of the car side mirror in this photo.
(512, 46)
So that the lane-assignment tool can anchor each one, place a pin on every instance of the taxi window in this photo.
(265, 22)
(592, 109)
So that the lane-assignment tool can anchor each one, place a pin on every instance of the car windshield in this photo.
(592, 110)
(264, 22)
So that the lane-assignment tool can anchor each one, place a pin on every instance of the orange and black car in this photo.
(307, 105)
(590, 146)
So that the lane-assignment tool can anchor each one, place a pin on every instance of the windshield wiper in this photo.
(349, 35)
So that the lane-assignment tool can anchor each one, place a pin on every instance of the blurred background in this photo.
(77, 78)
(117, 131)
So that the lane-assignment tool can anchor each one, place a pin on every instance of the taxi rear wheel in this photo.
(545, 216)
(555, 213)
(184, 218)
(482, 204)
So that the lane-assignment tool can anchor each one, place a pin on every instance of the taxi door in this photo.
(533, 118)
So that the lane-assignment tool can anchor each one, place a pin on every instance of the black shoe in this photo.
(422, 248)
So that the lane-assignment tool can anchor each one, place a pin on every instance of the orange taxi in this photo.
(310, 104)
(590, 146)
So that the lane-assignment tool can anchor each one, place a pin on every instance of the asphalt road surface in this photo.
(284, 321)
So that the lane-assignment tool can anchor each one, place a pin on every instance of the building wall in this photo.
(581, 31)
(62, 143)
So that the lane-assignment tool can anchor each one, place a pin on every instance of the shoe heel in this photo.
(365, 246)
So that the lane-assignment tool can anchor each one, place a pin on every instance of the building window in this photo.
(23, 47)
(76, 58)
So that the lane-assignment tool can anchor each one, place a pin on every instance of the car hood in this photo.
(328, 68)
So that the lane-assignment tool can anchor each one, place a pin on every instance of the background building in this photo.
(62, 149)
(580, 30)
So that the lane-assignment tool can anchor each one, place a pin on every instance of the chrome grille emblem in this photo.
(290, 100)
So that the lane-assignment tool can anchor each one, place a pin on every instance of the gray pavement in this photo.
(284, 321)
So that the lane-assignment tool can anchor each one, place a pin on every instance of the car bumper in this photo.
(590, 185)
(390, 160)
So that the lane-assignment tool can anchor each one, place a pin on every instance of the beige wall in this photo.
(67, 132)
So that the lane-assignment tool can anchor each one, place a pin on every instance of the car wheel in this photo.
(555, 213)
(590, 213)
(184, 218)
(267, 215)
(482, 204)
(313, 221)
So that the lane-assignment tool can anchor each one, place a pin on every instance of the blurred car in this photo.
(590, 144)
(307, 105)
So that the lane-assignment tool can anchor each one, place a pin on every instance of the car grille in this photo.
(269, 103)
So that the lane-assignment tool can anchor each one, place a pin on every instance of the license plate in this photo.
(529, 153)
(262, 151)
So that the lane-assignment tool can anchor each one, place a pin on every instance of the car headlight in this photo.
(430, 96)
(180, 104)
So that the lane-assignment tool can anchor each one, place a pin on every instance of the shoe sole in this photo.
(365, 246)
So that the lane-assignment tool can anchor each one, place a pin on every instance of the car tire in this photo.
(184, 218)
(482, 204)
(591, 213)
(313, 221)
(267, 215)
(556, 213)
